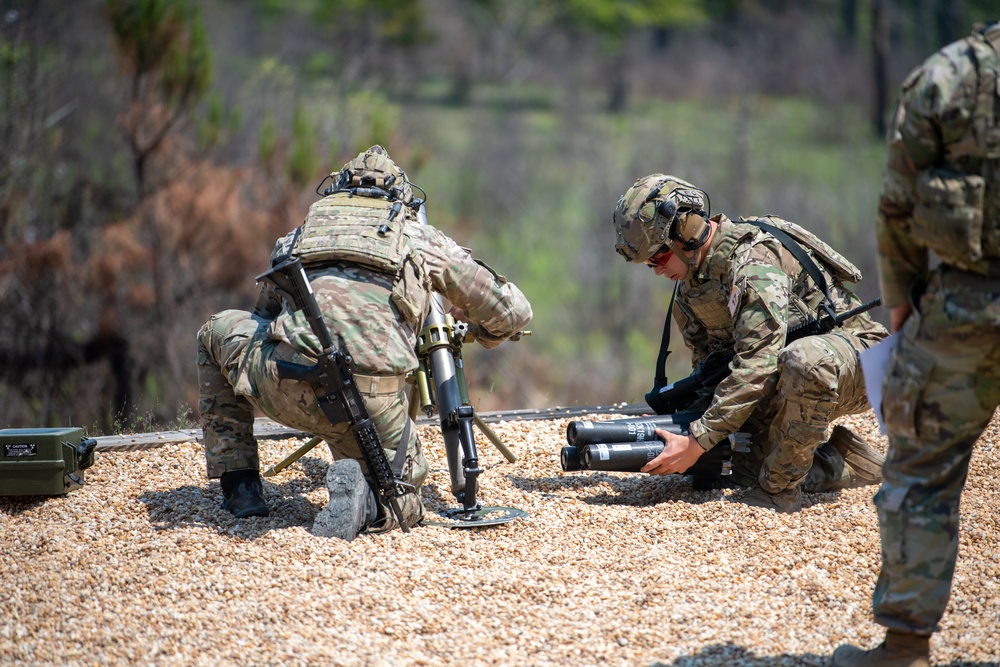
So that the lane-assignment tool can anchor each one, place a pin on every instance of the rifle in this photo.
(332, 378)
(715, 368)
(440, 381)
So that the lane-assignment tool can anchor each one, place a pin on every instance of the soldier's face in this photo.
(675, 265)
(660, 258)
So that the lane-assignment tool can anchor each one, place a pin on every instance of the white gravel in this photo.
(142, 567)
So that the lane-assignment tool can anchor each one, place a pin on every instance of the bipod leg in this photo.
(464, 416)
(492, 437)
(293, 457)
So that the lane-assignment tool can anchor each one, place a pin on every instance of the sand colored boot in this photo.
(900, 649)
(863, 462)
(786, 501)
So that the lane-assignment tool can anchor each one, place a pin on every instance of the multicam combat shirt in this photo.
(746, 294)
(358, 308)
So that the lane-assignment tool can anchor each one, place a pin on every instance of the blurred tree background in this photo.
(152, 150)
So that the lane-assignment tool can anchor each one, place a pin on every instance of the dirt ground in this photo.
(142, 567)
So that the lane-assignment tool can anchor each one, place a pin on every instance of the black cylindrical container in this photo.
(639, 429)
(632, 456)
(620, 456)
(571, 459)
(679, 418)
(589, 433)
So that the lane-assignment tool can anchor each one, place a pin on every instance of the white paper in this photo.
(874, 361)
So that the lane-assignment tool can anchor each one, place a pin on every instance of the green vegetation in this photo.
(141, 188)
(544, 218)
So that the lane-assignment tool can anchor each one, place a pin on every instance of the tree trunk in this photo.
(952, 19)
(849, 17)
(880, 61)
(618, 88)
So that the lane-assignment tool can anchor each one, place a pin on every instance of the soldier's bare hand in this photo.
(679, 453)
(898, 316)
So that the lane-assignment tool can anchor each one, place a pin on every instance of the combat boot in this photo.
(787, 501)
(705, 482)
(352, 507)
(242, 494)
(862, 462)
(900, 649)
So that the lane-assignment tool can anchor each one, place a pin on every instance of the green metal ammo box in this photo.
(43, 461)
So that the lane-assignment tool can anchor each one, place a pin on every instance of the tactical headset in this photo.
(688, 220)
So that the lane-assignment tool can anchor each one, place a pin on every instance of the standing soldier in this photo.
(941, 192)
(741, 287)
(372, 267)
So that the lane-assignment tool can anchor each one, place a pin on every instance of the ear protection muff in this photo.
(688, 226)
(690, 229)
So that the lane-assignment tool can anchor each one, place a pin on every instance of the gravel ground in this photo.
(142, 567)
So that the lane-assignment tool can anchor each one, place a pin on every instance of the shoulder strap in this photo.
(661, 360)
(803, 258)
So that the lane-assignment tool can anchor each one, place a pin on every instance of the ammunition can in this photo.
(43, 461)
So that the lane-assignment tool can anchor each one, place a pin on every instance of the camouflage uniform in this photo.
(377, 316)
(743, 297)
(941, 192)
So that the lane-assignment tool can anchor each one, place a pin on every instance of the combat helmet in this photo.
(660, 210)
(372, 173)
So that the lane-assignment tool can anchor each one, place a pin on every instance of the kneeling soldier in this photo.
(372, 267)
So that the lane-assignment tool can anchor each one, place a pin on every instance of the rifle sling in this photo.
(803, 258)
(661, 359)
(404, 443)
(798, 253)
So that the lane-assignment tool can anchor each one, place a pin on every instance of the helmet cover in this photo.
(374, 168)
(659, 210)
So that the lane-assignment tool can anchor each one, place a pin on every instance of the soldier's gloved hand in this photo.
(484, 337)
(458, 314)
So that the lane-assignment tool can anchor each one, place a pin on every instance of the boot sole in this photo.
(348, 494)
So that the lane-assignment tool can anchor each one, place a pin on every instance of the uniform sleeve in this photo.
(486, 298)
(761, 323)
(932, 112)
(269, 303)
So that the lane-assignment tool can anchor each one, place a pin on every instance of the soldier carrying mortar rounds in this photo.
(741, 288)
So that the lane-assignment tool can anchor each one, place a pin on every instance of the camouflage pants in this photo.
(237, 373)
(819, 381)
(939, 393)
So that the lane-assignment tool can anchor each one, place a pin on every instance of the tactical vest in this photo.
(957, 203)
(366, 231)
(710, 304)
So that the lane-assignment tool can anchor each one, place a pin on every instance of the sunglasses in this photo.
(660, 258)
